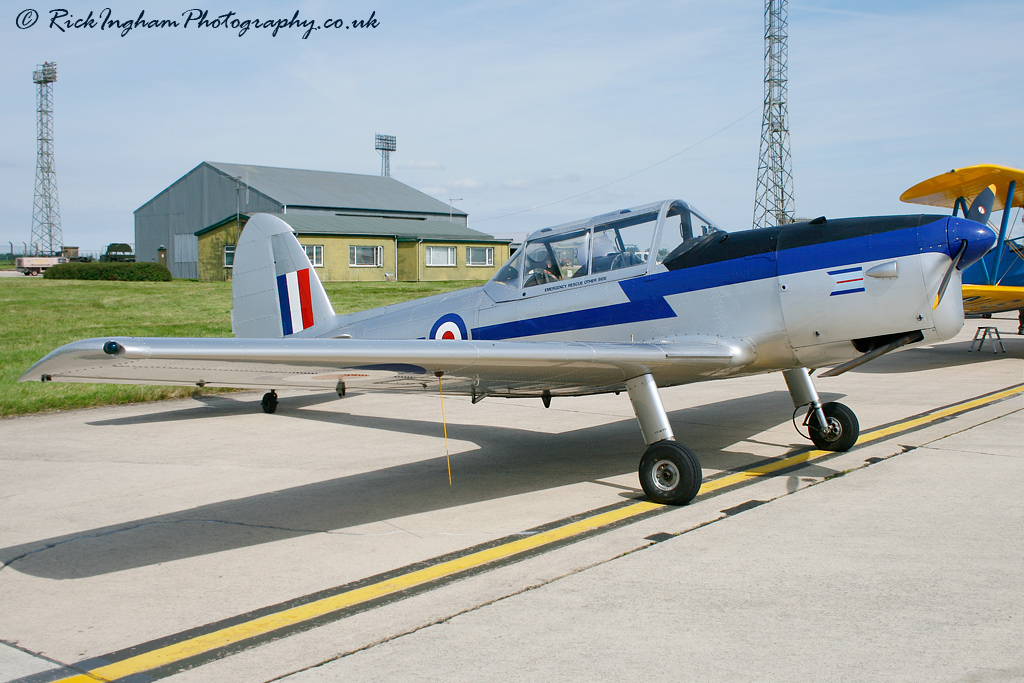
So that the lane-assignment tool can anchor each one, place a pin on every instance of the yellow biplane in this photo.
(995, 283)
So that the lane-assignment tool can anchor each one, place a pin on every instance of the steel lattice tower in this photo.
(773, 203)
(47, 237)
(385, 144)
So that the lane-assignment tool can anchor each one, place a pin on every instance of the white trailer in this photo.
(35, 265)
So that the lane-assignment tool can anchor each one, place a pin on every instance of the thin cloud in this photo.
(466, 184)
(420, 166)
(530, 104)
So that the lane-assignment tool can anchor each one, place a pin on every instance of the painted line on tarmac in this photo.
(899, 427)
(192, 648)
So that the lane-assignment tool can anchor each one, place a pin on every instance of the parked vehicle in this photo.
(35, 265)
(118, 252)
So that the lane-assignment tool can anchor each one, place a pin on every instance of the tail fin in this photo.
(981, 207)
(275, 291)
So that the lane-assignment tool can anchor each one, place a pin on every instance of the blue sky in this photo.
(531, 113)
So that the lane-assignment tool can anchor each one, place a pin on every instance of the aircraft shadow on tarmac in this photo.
(215, 405)
(940, 356)
(507, 462)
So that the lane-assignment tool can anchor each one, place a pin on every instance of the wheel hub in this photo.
(834, 430)
(666, 475)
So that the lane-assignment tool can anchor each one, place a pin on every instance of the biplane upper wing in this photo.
(946, 188)
(476, 368)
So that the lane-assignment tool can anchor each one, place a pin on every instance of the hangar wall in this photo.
(200, 198)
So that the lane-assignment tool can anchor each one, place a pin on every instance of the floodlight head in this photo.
(385, 143)
(45, 73)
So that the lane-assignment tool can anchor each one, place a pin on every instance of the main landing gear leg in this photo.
(669, 471)
(832, 426)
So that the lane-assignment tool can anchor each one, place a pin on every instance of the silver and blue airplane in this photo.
(648, 297)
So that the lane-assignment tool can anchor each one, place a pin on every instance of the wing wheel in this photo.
(269, 402)
(670, 473)
(841, 430)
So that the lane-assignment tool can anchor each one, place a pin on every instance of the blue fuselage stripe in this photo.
(646, 294)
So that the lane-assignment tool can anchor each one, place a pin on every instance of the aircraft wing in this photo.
(476, 368)
(944, 189)
(980, 299)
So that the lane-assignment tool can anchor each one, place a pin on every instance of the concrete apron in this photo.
(134, 523)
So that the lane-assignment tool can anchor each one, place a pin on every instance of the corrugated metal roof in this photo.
(313, 224)
(402, 228)
(299, 187)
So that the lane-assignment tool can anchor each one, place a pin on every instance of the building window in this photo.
(229, 256)
(441, 256)
(369, 257)
(479, 256)
(315, 253)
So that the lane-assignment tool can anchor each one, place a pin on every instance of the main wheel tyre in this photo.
(670, 473)
(843, 428)
(269, 402)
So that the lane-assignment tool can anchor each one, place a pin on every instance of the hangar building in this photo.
(213, 193)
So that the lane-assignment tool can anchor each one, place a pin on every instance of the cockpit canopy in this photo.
(621, 244)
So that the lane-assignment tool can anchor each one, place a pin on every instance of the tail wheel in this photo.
(269, 402)
(670, 473)
(841, 431)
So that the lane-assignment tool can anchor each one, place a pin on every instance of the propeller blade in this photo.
(949, 271)
(981, 207)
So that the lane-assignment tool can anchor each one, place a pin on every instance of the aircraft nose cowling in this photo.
(978, 237)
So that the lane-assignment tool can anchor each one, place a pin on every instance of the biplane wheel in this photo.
(670, 473)
(843, 428)
(269, 402)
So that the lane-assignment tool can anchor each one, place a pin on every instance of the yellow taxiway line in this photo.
(288, 617)
(873, 435)
(259, 626)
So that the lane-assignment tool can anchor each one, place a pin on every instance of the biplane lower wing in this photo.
(987, 299)
(474, 368)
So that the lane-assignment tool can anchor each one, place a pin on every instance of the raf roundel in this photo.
(450, 326)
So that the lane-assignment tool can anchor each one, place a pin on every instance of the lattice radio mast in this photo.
(47, 237)
(773, 203)
(385, 144)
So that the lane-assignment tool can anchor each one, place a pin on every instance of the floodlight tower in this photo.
(773, 201)
(385, 144)
(46, 232)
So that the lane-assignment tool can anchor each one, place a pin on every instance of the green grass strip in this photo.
(38, 315)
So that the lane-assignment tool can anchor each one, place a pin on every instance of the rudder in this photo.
(275, 290)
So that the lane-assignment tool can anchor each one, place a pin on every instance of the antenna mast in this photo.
(773, 201)
(47, 237)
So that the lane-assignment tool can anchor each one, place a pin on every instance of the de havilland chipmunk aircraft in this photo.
(649, 297)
